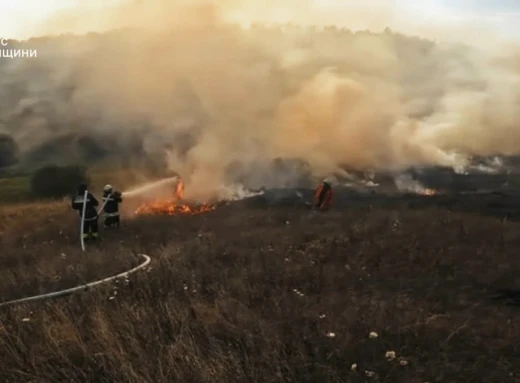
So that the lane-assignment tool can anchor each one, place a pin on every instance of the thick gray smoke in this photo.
(219, 104)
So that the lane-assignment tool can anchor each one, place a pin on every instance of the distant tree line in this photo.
(55, 182)
(8, 151)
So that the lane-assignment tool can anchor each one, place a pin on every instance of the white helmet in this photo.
(107, 188)
(328, 180)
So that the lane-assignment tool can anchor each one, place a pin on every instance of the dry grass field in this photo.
(252, 293)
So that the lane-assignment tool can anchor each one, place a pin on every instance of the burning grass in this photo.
(279, 295)
(174, 205)
(427, 192)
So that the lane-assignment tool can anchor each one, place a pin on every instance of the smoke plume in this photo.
(219, 104)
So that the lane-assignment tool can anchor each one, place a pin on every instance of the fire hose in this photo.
(82, 225)
(59, 293)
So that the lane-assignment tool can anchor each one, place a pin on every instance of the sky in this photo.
(502, 16)
(19, 18)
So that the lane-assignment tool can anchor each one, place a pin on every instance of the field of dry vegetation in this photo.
(245, 294)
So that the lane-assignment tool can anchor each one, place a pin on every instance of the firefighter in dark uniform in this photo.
(90, 223)
(323, 195)
(111, 201)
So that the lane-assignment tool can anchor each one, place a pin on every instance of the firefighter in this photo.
(323, 195)
(90, 223)
(111, 201)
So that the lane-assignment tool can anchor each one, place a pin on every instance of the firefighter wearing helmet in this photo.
(111, 201)
(323, 195)
(90, 222)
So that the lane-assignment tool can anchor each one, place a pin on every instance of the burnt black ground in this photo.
(498, 204)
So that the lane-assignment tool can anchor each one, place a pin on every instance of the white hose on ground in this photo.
(80, 288)
(82, 225)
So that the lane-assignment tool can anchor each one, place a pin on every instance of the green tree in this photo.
(57, 182)
(8, 151)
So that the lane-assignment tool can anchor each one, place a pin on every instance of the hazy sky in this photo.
(19, 17)
(501, 16)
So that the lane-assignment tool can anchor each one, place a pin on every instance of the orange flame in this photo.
(179, 190)
(173, 206)
(427, 192)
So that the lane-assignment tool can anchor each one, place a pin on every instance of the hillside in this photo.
(90, 99)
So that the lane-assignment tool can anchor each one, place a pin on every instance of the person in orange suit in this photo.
(323, 195)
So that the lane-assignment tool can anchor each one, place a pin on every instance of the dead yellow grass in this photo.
(30, 216)
(279, 295)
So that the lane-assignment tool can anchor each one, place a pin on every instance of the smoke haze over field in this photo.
(460, 19)
(219, 103)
